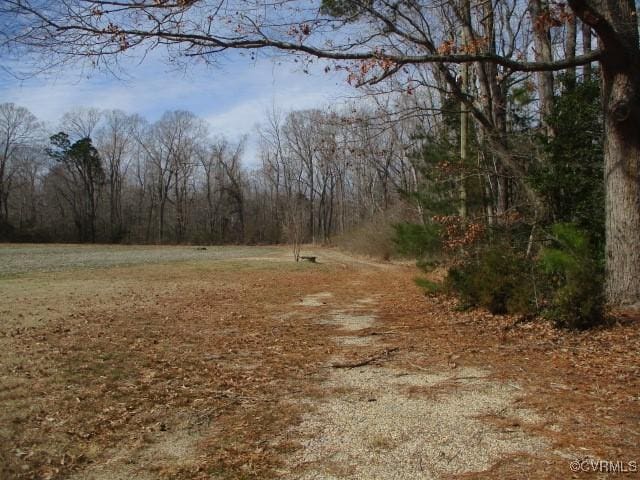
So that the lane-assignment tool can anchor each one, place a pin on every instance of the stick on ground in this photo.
(366, 361)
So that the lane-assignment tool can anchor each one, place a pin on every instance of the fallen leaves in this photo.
(212, 365)
(216, 358)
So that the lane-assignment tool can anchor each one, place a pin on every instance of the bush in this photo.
(575, 279)
(498, 279)
(415, 240)
(504, 281)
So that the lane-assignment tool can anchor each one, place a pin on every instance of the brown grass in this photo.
(111, 361)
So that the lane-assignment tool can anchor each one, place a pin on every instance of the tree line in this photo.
(110, 176)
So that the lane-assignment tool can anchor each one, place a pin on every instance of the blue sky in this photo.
(232, 96)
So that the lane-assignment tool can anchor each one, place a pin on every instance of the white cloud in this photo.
(243, 117)
(232, 99)
(269, 85)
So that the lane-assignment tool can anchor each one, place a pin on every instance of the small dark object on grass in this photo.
(201, 248)
(308, 259)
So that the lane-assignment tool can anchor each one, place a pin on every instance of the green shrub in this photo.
(417, 240)
(569, 178)
(575, 277)
(498, 279)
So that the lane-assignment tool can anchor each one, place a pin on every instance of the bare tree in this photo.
(27, 184)
(210, 157)
(114, 141)
(294, 223)
(158, 142)
(171, 145)
(304, 149)
(272, 148)
(18, 130)
(80, 122)
(233, 187)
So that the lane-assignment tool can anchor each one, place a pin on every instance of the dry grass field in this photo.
(236, 362)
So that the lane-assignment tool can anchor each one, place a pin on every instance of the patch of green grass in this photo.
(427, 285)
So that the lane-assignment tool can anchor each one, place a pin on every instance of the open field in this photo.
(236, 362)
(18, 259)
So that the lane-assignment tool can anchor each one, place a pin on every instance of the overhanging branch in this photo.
(208, 44)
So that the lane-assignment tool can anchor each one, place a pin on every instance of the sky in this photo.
(232, 96)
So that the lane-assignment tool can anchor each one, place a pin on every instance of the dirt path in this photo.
(381, 422)
(223, 368)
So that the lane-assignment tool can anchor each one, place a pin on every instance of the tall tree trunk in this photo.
(210, 209)
(464, 137)
(543, 53)
(92, 211)
(464, 116)
(586, 48)
(161, 221)
(115, 203)
(493, 131)
(312, 221)
(570, 53)
(615, 22)
(2, 206)
(177, 228)
(622, 185)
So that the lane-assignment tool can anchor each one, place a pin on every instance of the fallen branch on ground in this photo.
(366, 361)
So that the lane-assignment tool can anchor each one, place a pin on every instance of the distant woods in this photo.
(111, 176)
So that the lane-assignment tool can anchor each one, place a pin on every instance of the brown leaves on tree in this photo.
(367, 70)
(459, 232)
(557, 16)
(300, 31)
